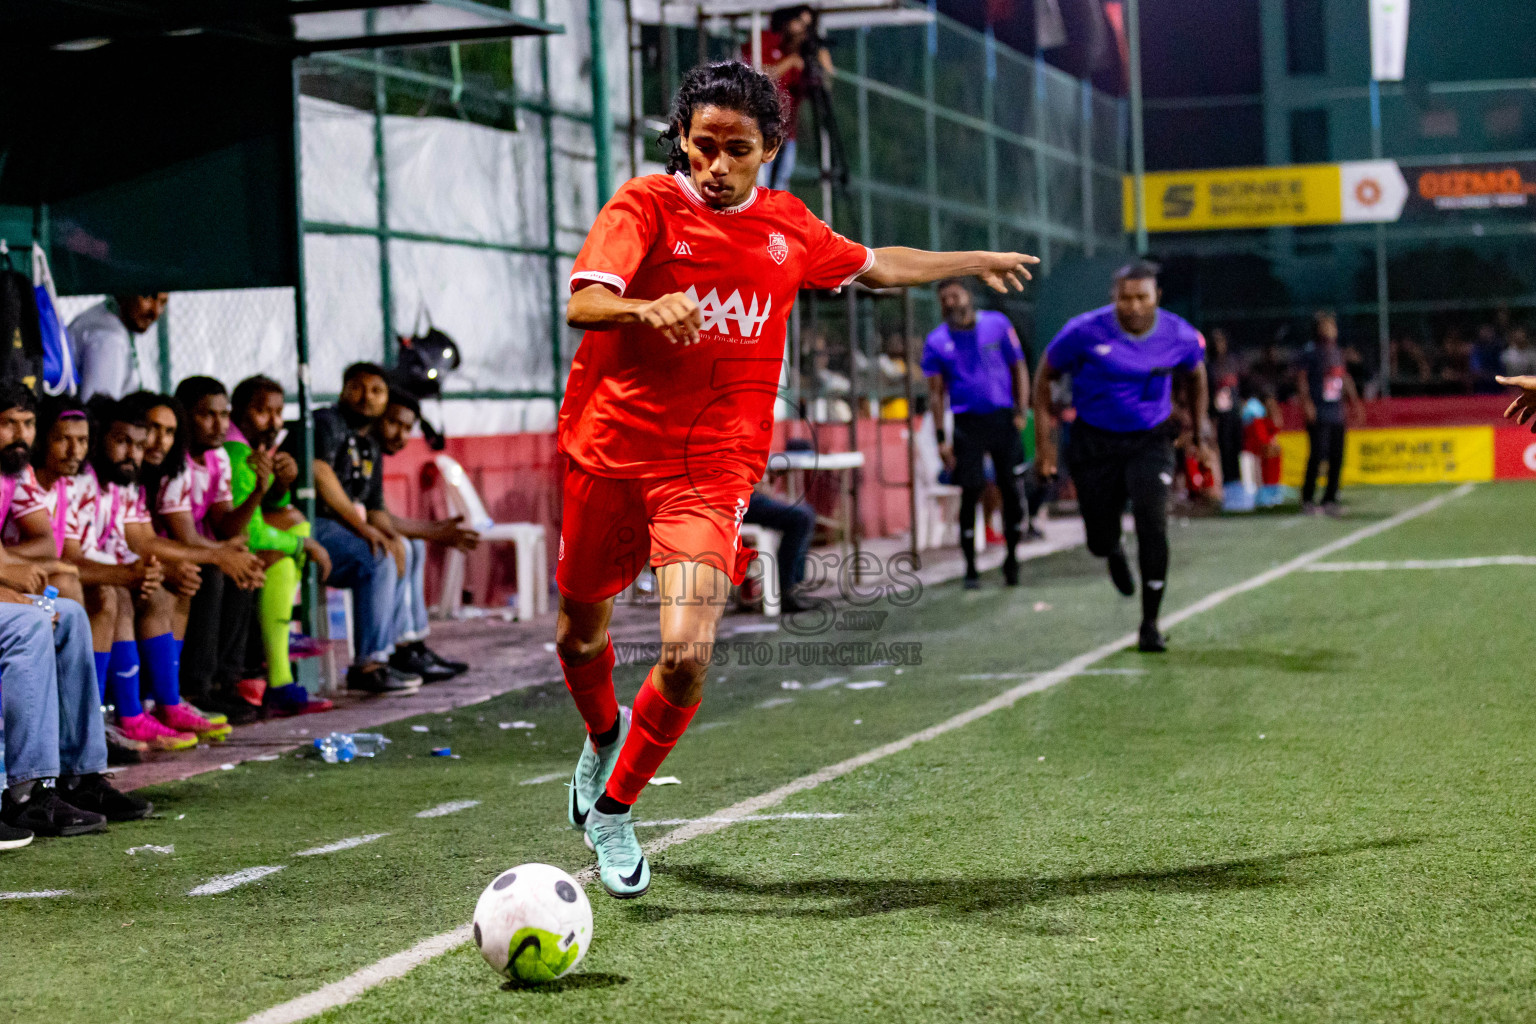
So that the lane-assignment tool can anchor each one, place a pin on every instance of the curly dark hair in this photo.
(731, 85)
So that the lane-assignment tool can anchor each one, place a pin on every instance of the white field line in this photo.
(224, 883)
(341, 844)
(339, 993)
(775, 702)
(451, 807)
(1032, 675)
(791, 816)
(1417, 563)
(40, 894)
(538, 780)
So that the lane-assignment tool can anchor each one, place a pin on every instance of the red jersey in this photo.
(639, 405)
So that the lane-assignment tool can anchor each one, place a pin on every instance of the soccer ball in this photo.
(533, 924)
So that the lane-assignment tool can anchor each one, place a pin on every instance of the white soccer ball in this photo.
(533, 923)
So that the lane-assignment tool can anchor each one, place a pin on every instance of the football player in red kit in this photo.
(684, 288)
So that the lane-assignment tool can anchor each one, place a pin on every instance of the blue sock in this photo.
(163, 666)
(123, 670)
(103, 658)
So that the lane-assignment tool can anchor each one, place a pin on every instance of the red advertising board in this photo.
(1514, 454)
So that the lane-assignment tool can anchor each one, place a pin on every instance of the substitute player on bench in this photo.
(684, 287)
(1125, 359)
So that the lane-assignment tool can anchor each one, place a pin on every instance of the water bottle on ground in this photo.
(368, 744)
(47, 600)
(337, 748)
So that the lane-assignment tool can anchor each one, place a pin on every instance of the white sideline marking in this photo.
(451, 807)
(828, 683)
(41, 894)
(339, 993)
(1418, 563)
(224, 883)
(1032, 675)
(776, 702)
(341, 844)
(541, 779)
(868, 684)
(792, 816)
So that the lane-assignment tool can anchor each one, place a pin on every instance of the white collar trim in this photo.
(685, 183)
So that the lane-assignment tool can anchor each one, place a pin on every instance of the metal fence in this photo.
(455, 184)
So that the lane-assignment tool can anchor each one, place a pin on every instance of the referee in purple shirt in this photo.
(974, 359)
(1125, 360)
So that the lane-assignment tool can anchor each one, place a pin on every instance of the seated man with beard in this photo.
(27, 509)
(118, 549)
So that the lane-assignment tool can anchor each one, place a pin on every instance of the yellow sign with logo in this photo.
(1400, 455)
(1244, 197)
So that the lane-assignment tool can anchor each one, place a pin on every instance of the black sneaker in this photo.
(458, 668)
(413, 661)
(1011, 570)
(1120, 572)
(94, 793)
(47, 815)
(13, 838)
(381, 679)
(1151, 640)
(971, 581)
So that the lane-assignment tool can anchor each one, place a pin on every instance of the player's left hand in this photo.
(454, 534)
(1007, 271)
(1524, 406)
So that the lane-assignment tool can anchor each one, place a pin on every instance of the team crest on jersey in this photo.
(777, 247)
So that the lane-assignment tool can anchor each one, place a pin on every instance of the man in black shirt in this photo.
(353, 527)
(1327, 392)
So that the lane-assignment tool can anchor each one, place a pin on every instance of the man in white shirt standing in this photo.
(103, 338)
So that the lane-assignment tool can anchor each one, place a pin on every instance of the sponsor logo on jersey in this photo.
(718, 315)
(1103, 350)
(777, 247)
(681, 249)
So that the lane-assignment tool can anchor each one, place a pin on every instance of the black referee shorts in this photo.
(1111, 468)
(979, 434)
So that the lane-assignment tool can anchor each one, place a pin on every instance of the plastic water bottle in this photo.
(46, 600)
(367, 744)
(337, 748)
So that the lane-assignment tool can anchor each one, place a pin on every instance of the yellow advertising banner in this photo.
(1400, 455)
(1244, 197)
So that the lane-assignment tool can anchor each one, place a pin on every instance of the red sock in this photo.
(591, 684)
(654, 730)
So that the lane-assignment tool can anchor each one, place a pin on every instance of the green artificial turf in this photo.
(1313, 808)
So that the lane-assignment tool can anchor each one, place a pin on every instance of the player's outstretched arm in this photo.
(598, 308)
(898, 267)
(1045, 420)
(1523, 408)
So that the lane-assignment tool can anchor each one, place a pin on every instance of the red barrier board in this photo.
(1514, 454)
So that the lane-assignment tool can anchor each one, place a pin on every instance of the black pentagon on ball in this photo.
(504, 881)
(477, 934)
(566, 891)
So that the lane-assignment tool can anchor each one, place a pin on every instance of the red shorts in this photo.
(610, 527)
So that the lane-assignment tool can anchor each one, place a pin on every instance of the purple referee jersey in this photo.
(977, 364)
(1119, 382)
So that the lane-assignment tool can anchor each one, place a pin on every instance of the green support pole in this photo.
(1138, 138)
(602, 117)
(304, 490)
(163, 337)
(552, 257)
(866, 206)
(380, 160)
(1042, 182)
(930, 130)
(989, 114)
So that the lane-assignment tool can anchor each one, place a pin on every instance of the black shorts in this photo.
(979, 434)
(1110, 469)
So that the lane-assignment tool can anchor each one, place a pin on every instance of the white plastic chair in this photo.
(766, 542)
(526, 538)
(938, 505)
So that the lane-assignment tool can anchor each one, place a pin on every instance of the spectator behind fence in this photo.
(1226, 416)
(1325, 389)
(351, 523)
(790, 29)
(412, 655)
(1518, 358)
(279, 535)
(106, 356)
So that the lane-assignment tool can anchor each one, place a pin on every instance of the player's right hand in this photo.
(1524, 406)
(27, 577)
(319, 556)
(947, 456)
(675, 315)
(151, 574)
(1045, 464)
